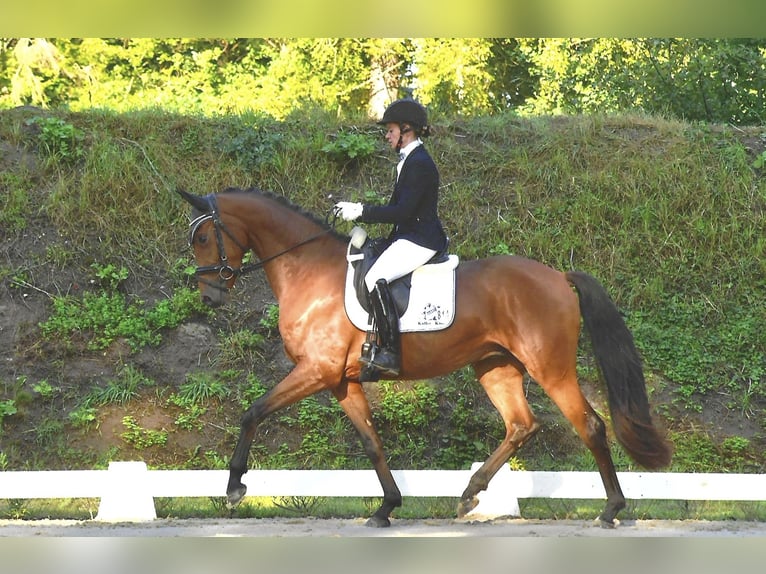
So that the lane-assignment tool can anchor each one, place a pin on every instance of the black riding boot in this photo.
(386, 357)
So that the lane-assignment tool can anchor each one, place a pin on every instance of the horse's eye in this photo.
(202, 239)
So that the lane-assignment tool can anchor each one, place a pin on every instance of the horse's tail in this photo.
(620, 367)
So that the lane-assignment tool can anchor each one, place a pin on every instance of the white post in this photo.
(498, 500)
(127, 496)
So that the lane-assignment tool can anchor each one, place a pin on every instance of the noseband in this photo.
(225, 271)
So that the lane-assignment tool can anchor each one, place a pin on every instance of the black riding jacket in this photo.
(412, 208)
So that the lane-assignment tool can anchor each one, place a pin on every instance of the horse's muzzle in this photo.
(213, 294)
(212, 302)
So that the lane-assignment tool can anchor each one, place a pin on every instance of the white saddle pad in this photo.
(432, 298)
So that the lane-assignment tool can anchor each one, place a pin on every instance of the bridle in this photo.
(225, 271)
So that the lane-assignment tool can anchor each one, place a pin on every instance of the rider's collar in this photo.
(406, 150)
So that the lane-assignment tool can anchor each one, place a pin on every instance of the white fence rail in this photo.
(127, 489)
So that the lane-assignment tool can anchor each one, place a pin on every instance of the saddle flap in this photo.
(425, 298)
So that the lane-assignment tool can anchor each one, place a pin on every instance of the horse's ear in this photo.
(196, 201)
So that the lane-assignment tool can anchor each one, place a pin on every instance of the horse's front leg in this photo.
(296, 386)
(352, 399)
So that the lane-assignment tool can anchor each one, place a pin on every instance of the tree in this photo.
(711, 80)
(34, 72)
(708, 80)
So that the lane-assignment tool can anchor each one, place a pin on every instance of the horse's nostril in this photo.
(207, 300)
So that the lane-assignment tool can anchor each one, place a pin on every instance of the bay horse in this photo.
(514, 316)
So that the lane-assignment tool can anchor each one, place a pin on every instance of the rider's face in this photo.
(392, 134)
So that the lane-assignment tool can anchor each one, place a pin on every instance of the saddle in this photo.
(424, 299)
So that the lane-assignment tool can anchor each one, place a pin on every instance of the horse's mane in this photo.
(282, 200)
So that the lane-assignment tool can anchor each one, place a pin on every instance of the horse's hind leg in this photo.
(352, 399)
(567, 395)
(503, 382)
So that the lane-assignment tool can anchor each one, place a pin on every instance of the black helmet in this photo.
(406, 111)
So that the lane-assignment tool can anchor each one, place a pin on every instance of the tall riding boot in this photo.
(386, 359)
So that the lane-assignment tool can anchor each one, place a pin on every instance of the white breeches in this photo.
(401, 257)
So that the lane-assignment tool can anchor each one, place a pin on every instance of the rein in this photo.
(224, 270)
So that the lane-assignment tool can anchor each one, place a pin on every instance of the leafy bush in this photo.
(105, 316)
(59, 140)
(251, 146)
(7, 408)
(350, 146)
(408, 415)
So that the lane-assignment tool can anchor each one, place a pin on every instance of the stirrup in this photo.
(369, 374)
(372, 370)
(384, 361)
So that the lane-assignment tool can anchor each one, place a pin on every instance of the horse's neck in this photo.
(303, 270)
(290, 264)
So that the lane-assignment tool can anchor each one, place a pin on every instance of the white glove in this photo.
(348, 211)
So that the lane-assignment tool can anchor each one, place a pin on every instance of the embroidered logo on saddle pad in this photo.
(425, 298)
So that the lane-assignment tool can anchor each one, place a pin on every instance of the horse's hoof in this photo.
(608, 524)
(466, 505)
(235, 495)
(377, 522)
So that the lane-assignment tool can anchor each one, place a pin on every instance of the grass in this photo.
(668, 215)
(593, 192)
(413, 508)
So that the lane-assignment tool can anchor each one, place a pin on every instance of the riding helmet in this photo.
(407, 111)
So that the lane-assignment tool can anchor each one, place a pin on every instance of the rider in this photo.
(417, 234)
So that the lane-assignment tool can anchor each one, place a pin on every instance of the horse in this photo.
(514, 317)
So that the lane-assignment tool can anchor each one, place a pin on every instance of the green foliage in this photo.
(200, 388)
(83, 416)
(121, 390)
(675, 339)
(500, 249)
(324, 430)
(15, 203)
(48, 432)
(298, 505)
(253, 389)
(413, 407)
(189, 419)
(454, 76)
(251, 146)
(350, 145)
(698, 79)
(408, 414)
(694, 79)
(105, 316)
(142, 438)
(58, 139)
(45, 389)
(697, 451)
(474, 429)
(110, 277)
(242, 347)
(270, 318)
(169, 313)
(7, 408)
